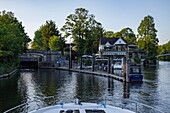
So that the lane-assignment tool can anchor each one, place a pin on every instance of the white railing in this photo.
(18, 108)
(138, 107)
(114, 52)
(121, 103)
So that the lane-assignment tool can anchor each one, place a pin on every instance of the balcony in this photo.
(119, 53)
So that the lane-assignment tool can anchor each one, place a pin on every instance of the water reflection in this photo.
(27, 86)
(9, 95)
(32, 84)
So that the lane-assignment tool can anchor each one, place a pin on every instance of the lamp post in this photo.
(70, 58)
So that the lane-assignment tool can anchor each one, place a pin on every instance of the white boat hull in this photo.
(82, 108)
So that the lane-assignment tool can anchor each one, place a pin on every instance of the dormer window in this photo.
(107, 44)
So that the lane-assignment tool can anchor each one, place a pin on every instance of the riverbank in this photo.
(8, 74)
(120, 78)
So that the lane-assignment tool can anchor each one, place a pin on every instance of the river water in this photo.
(28, 85)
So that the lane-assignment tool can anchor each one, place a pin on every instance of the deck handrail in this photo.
(53, 97)
(26, 103)
(138, 103)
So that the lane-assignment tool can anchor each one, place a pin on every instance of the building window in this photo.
(119, 48)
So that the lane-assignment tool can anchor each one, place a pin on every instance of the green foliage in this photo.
(84, 29)
(127, 33)
(116, 34)
(13, 39)
(46, 37)
(147, 36)
(137, 60)
(108, 34)
(56, 43)
(164, 49)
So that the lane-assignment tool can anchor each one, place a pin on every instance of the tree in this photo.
(96, 33)
(37, 42)
(147, 36)
(13, 39)
(116, 35)
(45, 34)
(56, 43)
(128, 35)
(164, 49)
(80, 26)
(108, 34)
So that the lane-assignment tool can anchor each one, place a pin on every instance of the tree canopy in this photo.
(164, 49)
(48, 38)
(127, 33)
(147, 36)
(84, 29)
(13, 39)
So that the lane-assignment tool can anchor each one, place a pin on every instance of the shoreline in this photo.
(94, 73)
(8, 74)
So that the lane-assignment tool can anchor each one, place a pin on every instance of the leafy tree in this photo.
(129, 35)
(96, 34)
(13, 39)
(164, 49)
(116, 35)
(92, 39)
(80, 26)
(56, 43)
(147, 36)
(47, 34)
(37, 42)
(108, 34)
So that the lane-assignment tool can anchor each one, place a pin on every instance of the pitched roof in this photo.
(104, 40)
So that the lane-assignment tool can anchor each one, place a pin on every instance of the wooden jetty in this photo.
(120, 78)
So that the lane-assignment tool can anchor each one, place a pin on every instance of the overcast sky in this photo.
(113, 14)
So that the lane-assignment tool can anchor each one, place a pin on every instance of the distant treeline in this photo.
(164, 49)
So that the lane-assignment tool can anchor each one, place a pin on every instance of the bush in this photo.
(137, 60)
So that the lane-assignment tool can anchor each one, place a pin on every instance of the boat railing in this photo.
(132, 105)
(51, 101)
(29, 106)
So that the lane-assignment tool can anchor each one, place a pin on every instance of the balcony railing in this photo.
(114, 52)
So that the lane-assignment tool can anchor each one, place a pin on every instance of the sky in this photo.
(114, 15)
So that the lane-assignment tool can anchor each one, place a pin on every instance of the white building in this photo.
(119, 48)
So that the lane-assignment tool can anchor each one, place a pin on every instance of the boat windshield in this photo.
(70, 111)
(87, 111)
(95, 111)
(135, 70)
(117, 62)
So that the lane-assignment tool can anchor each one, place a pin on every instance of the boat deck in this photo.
(84, 108)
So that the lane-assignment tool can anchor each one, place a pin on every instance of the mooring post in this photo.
(70, 62)
(112, 68)
(108, 65)
(93, 59)
(80, 62)
(127, 61)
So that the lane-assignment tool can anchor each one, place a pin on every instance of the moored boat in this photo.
(135, 74)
